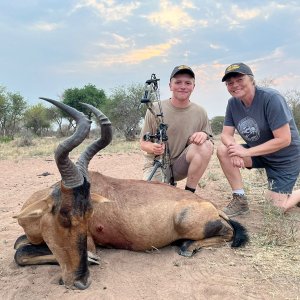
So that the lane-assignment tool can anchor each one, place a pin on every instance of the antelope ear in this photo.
(98, 198)
(35, 210)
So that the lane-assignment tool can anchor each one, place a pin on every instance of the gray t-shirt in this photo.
(268, 112)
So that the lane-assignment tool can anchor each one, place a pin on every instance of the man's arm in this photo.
(227, 138)
(227, 135)
(149, 146)
(282, 138)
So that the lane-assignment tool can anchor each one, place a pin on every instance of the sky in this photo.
(48, 46)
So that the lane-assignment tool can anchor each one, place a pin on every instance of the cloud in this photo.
(188, 4)
(238, 15)
(109, 10)
(116, 42)
(214, 46)
(275, 55)
(173, 17)
(134, 56)
(44, 26)
(245, 14)
(287, 81)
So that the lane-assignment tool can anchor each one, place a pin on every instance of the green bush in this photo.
(5, 139)
(217, 124)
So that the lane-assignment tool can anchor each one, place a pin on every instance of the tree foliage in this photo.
(217, 124)
(37, 119)
(266, 82)
(12, 107)
(88, 94)
(293, 99)
(56, 115)
(125, 110)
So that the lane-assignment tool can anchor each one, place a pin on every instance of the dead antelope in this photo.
(64, 223)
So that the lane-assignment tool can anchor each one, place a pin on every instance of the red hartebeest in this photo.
(64, 223)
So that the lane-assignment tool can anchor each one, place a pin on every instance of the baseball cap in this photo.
(182, 69)
(240, 68)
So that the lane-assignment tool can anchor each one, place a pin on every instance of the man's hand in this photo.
(237, 150)
(197, 138)
(158, 149)
(237, 162)
(236, 153)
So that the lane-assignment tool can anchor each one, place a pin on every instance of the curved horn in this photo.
(96, 146)
(70, 174)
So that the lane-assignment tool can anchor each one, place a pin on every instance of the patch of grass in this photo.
(5, 139)
(274, 263)
(202, 183)
(42, 147)
(26, 139)
(278, 229)
(213, 176)
(122, 146)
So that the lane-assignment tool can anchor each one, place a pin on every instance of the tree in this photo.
(125, 110)
(217, 124)
(88, 94)
(293, 99)
(266, 82)
(12, 107)
(56, 115)
(4, 108)
(37, 119)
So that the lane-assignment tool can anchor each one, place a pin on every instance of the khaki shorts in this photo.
(149, 167)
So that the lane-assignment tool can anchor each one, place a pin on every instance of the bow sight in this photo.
(151, 95)
(151, 86)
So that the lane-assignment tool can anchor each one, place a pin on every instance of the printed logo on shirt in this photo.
(248, 129)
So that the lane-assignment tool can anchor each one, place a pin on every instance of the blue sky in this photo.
(48, 46)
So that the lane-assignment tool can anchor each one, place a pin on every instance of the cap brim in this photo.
(229, 74)
(184, 71)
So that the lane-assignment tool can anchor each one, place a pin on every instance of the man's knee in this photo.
(206, 149)
(222, 151)
(197, 154)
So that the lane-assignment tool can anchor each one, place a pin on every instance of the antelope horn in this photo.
(70, 174)
(96, 146)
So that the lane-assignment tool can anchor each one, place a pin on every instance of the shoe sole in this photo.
(237, 213)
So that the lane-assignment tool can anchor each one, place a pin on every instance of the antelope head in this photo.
(62, 218)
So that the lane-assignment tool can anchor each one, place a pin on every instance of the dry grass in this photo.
(41, 147)
(274, 250)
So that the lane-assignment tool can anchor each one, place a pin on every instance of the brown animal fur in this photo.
(127, 214)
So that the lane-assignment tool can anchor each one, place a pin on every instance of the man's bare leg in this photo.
(285, 201)
(198, 157)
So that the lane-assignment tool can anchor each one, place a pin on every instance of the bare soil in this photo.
(254, 272)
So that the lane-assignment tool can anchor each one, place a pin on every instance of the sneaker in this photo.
(237, 206)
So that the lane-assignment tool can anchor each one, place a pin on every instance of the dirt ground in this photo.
(252, 272)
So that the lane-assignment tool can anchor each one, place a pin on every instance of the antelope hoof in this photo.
(78, 284)
(82, 286)
(93, 259)
(186, 253)
(21, 241)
